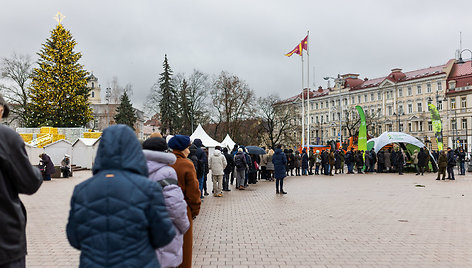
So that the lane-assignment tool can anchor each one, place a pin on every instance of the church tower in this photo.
(92, 84)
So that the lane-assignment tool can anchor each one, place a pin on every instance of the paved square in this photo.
(374, 220)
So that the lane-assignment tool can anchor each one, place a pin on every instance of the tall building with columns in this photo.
(395, 102)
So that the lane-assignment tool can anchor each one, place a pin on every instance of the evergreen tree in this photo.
(59, 93)
(125, 113)
(168, 105)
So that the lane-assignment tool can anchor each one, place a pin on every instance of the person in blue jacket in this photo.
(118, 217)
(280, 160)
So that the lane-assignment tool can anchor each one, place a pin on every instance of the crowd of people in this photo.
(138, 208)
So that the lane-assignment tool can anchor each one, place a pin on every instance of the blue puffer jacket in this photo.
(118, 216)
(279, 159)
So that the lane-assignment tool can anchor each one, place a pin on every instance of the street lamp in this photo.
(400, 113)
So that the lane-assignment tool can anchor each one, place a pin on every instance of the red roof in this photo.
(462, 74)
(313, 94)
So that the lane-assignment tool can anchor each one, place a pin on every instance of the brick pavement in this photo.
(342, 221)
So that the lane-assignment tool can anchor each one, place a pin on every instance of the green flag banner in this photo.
(362, 139)
(437, 125)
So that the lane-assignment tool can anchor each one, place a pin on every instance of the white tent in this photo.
(57, 150)
(33, 153)
(207, 141)
(228, 142)
(84, 151)
(394, 137)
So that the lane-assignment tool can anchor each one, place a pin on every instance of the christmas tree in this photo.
(59, 93)
(168, 104)
(125, 112)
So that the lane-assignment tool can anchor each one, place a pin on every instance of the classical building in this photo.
(95, 90)
(396, 102)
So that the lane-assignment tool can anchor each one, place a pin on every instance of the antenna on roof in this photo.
(314, 78)
(458, 51)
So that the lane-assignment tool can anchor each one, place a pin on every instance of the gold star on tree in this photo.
(59, 17)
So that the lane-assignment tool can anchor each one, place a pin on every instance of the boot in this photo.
(282, 192)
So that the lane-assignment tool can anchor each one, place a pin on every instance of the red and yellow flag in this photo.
(299, 48)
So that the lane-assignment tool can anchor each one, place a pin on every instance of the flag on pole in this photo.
(299, 48)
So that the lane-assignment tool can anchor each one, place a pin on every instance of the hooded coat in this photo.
(201, 155)
(217, 163)
(48, 165)
(304, 159)
(118, 216)
(279, 161)
(159, 169)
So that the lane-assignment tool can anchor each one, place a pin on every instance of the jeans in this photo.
(200, 185)
(326, 169)
(240, 177)
(281, 182)
(462, 168)
(304, 171)
(450, 172)
(349, 167)
(317, 169)
(226, 177)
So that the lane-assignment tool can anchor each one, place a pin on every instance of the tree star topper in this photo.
(59, 17)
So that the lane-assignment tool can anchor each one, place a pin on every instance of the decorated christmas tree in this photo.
(59, 93)
(125, 113)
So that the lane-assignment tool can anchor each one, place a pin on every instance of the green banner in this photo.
(362, 139)
(437, 126)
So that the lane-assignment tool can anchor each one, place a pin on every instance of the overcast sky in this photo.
(128, 39)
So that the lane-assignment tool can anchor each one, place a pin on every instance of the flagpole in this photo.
(303, 104)
(308, 85)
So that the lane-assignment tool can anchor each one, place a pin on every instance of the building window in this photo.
(327, 104)
(93, 85)
(400, 108)
(410, 108)
(390, 127)
(379, 95)
(440, 103)
(401, 127)
(93, 93)
(345, 102)
(365, 98)
(390, 112)
(316, 119)
(463, 102)
(409, 91)
(421, 126)
(430, 101)
(439, 86)
(380, 129)
(316, 105)
(419, 105)
(311, 105)
(454, 124)
(400, 92)
(409, 127)
(327, 118)
(379, 111)
(464, 123)
(359, 99)
(418, 89)
(321, 104)
(312, 120)
(353, 100)
(428, 88)
(430, 126)
(453, 103)
(371, 96)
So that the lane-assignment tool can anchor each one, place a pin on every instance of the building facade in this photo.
(396, 102)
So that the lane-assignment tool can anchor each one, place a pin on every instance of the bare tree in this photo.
(233, 101)
(16, 72)
(277, 120)
(117, 91)
(352, 120)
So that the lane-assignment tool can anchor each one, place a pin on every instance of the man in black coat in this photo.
(451, 162)
(381, 161)
(228, 169)
(17, 176)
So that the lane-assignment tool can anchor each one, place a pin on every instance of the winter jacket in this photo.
(331, 159)
(279, 161)
(17, 176)
(159, 169)
(270, 164)
(399, 159)
(422, 158)
(240, 159)
(201, 155)
(359, 159)
(388, 159)
(196, 163)
(442, 160)
(298, 160)
(229, 163)
(264, 160)
(337, 160)
(414, 158)
(217, 163)
(461, 156)
(47, 164)
(304, 160)
(381, 157)
(118, 216)
(451, 158)
(349, 157)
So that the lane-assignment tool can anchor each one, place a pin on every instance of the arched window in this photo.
(93, 93)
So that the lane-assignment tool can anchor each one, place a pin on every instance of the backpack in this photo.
(239, 162)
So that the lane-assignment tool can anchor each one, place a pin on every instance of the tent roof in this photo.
(87, 141)
(394, 137)
(228, 142)
(207, 141)
(57, 142)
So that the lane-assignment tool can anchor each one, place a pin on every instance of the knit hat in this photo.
(179, 142)
(155, 144)
(3, 103)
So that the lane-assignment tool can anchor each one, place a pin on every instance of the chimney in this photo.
(396, 70)
(365, 78)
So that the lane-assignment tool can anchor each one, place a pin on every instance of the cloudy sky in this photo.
(128, 39)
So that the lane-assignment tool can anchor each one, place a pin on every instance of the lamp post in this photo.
(107, 98)
(400, 113)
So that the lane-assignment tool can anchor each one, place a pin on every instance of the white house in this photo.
(84, 151)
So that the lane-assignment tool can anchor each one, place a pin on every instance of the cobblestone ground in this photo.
(373, 220)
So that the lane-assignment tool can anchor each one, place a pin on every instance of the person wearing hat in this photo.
(17, 176)
(118, 217)
(158, 161)
(65, 166)
(48, 166)
(188, 182)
